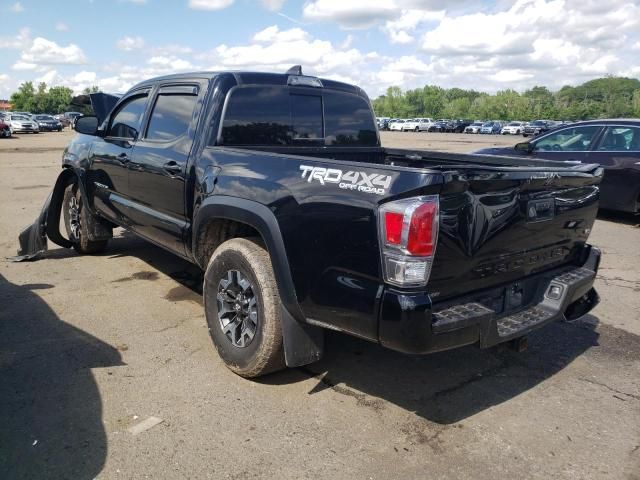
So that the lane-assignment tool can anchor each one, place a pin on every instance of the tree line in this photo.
(44, 99)
(609, 97)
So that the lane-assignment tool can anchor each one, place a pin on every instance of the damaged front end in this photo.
(33, 239)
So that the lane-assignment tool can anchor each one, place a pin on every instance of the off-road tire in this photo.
(80, 239)
(264, 353)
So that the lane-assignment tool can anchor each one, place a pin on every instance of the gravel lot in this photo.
(92, 346)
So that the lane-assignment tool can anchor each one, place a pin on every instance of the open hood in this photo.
(101, 103)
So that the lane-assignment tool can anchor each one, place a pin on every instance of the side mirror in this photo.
(524, 147)
(87, 125)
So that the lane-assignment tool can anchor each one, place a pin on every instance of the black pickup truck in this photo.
(276, 185)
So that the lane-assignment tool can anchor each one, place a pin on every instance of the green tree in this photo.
(25, 98)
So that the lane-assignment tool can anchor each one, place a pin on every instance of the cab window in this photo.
(128, 118)
(171, 114)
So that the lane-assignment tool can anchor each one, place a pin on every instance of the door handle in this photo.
(123, 158)
(172, 167)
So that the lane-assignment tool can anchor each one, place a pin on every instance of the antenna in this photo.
(295, 70)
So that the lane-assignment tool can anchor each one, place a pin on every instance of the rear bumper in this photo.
(410, 323)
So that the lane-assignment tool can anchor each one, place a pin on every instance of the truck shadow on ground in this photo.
(50, 407)
(444, 387)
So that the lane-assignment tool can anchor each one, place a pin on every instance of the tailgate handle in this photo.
(540, 210)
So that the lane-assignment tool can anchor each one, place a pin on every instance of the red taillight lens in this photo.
(393, 227)
(408, 236)
(421, 230)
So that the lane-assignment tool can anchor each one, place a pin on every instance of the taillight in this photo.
(408, 234)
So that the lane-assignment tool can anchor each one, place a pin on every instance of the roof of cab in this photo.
(251, 78)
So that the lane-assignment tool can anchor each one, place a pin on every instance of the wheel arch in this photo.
(303, 343)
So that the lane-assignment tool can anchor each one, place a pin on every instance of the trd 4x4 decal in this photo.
(350, 180)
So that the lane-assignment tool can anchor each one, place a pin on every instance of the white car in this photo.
(513, 128)
(20, 123)
(396, 125)
(474, 127)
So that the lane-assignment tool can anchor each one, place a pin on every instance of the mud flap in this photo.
(303, 343)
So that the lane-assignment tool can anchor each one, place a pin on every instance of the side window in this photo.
(171, 116)
(617, 139)
(348, 120)
(126, 121)
(577, 139)
(257, 116)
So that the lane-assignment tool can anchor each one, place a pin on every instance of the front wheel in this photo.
(76, 219)
(242, 308)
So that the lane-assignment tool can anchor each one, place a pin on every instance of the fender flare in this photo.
(303, 343)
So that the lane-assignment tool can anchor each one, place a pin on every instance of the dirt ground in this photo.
(92, 346)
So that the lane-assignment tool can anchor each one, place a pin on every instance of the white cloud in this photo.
(209, 4)
(170, 63)
(274, 34)
(273, 5)
(130, 43)
(45, 52)
(17, 7)
(351, 14)
(16, 41)
(62, 27)
(399, 30)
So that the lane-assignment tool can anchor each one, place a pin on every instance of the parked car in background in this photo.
(474, 127)
(614, 144)
(382, 123)
(537, 127)
(5, 129)
(72, 117)
(410, 124)
(426, 124)
(21, 123)
(458, 126)
(396, 125)
(46, 123)
(441, 125)
(62, 119)
(513, 128)
(491, 127)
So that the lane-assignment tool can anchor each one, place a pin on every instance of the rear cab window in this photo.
(284, 116)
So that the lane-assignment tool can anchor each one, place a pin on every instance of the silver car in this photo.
(20, 123)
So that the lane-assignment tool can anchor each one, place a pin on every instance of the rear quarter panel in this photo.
(329, 230)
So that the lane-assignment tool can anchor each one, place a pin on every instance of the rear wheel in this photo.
(242, 308)
(416, 129)
(76, 220)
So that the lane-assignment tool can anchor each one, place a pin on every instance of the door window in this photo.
(620, 139)
(171, 116)
(576, 139)
(127, 120)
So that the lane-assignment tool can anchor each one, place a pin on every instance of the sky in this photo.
(488, 46)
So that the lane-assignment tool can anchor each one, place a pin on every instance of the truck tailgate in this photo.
(500, 224)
